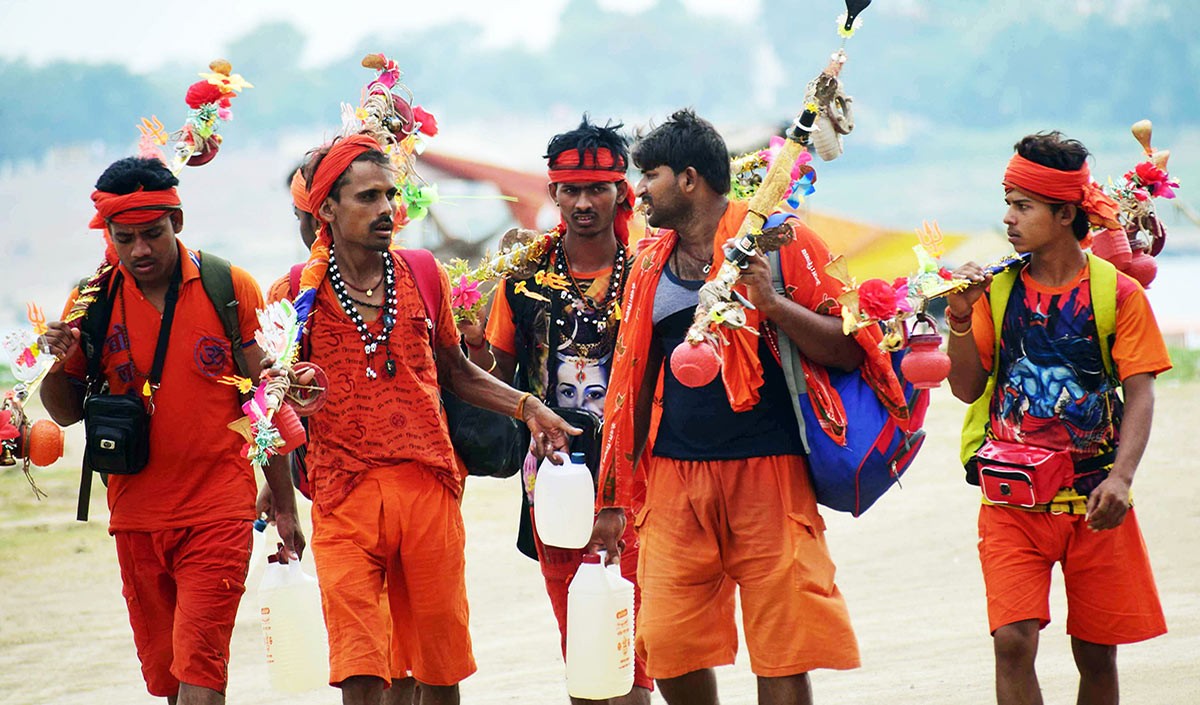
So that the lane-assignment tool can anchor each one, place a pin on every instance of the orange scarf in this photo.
(803, 265)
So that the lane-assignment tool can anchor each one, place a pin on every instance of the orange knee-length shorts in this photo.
(391, 568)
(708, 526)
(1111, 596)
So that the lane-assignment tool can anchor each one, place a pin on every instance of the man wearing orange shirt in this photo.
(387, 528)
(181, 524)
(1046, 382)
(728, 500)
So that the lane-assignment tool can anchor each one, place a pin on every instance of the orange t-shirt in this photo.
(383, 422)
(195, 473)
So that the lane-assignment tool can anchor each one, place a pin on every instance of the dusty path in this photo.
(908, 568)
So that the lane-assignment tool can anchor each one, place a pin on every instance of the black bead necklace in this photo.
(600, 313)
(370, 342)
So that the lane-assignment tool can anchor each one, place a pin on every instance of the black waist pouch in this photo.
(117, 429)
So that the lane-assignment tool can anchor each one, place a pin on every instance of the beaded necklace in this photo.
(370, 342)
(600, 313)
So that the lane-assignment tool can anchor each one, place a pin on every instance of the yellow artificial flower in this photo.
(228, 84)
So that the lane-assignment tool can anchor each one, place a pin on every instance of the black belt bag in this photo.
(117, 429)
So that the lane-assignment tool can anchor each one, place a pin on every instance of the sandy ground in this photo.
(909, 570)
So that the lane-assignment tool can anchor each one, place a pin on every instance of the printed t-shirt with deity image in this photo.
(561, 327)
(1053, 391)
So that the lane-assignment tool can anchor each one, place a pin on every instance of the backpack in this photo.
(1102, 283)
(878, 449)
(217, 279)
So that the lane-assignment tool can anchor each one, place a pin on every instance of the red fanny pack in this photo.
(1021, 475)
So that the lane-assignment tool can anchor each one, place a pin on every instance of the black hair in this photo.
(1053, 150)
(314, 158)
(684, 140)
(589, 137)
(127, 175)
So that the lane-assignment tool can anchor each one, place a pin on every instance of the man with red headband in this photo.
(1040, 353)
(182, 523)
(553, 336)
(387, 528)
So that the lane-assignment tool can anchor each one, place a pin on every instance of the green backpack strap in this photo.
(1102, 280)
(217, 277)
(975, 424)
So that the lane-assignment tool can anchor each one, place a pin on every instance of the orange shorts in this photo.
(710, 525)
(390, 564)
(182, 587)
(1111, 597)
(558, 569)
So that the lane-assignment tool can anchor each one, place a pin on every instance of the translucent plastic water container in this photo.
(599, 632)
(564, 502)
(293, 628)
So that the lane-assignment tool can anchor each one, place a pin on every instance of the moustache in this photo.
(383, 223)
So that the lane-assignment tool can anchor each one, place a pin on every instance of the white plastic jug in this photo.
(293, 628)
(564, 502)
(599, 632)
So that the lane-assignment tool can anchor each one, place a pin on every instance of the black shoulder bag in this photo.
(117, 426)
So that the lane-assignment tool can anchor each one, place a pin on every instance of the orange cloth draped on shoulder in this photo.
(803, 265)
(137, 208)
(1058, 186)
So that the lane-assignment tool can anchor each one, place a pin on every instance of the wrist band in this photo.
(520, 412)
(957, 334)
(493, 355)
(957, 319)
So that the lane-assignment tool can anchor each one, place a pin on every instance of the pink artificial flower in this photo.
(1156, 181)
(877, 299)
(7, 430)
(945, 274)
(428, 122)
(225, 113)
(465, 294)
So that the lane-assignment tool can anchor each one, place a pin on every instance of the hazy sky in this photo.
(142, 33)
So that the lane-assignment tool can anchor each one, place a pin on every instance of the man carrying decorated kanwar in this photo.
(182, 524)
(1041, 357)
(728, 498)
(387, 528)
(556, 335)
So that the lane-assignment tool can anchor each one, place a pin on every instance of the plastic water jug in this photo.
(564, 502)
(293, 628)
(599, 632)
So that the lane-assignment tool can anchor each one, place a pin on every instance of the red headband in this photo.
(598, 164)
(1056, 186)
(137, 208)
(336, 161)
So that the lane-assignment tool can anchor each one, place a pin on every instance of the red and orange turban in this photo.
(598, 164)
(300, 192)
(339, 158)
(137, 208)
(1056, 186)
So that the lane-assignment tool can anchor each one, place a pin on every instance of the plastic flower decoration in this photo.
(466, 299)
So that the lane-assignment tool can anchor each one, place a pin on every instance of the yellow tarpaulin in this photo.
(872, 251)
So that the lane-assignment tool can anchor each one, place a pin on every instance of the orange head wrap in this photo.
(337, 160)
(1056, 186)
(598, 164)
(137, 208)
(300, 192)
